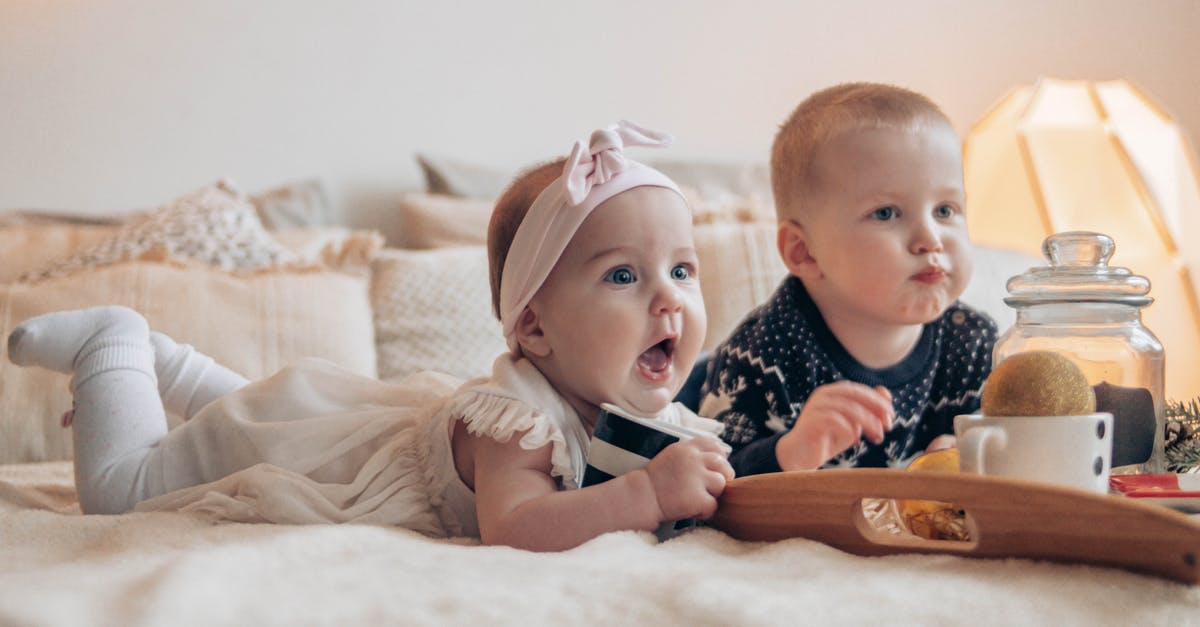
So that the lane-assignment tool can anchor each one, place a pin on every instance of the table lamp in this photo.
(1067, 155)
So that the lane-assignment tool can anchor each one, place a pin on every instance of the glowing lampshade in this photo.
(1066, 155)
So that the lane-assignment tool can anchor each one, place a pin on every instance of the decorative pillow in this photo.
(989, 282)
(294, 205)
(25, 247)
(433, 311)
(23, 217)
(739, 269)
(458, 177)
(331, 248)
(440, 221)
(216, 225)
(723, 190)
(254, 324)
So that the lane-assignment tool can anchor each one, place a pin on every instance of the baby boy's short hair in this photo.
(828, 113)
(508, 214)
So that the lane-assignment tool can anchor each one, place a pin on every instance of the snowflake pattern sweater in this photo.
(761, 375)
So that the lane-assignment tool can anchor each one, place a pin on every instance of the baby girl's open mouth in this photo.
(655, 362)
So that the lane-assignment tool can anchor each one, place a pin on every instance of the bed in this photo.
(387, 309)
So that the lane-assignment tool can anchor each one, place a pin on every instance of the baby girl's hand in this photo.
(688, 477)
(835, 417)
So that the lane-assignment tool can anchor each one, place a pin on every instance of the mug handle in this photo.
(973, 443)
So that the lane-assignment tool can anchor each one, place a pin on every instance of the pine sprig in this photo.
(1183, 436)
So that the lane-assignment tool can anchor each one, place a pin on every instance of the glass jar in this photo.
(1092, 313)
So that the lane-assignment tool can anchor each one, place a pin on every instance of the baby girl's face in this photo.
(621, 312)
(886, 226)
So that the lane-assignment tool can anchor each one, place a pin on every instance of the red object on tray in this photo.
(1158, 486)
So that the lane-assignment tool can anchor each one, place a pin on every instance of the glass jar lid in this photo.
(1078, 272)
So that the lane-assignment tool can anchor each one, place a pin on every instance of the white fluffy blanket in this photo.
(60, 568)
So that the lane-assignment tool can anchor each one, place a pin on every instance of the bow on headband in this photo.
(592, 174)
(604, 157)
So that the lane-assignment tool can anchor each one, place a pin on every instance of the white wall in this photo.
(109, 105)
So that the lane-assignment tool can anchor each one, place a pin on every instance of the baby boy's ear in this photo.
(792, 240)
(530, 336)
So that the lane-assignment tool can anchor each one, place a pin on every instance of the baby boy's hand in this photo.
(835, 417)
(688, 476)
(943, 441)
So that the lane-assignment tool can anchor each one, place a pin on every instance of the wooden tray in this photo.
(1006, 518)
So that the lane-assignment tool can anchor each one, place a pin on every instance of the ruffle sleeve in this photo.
(500, 418)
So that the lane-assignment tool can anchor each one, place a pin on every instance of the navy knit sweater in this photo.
(759, 378)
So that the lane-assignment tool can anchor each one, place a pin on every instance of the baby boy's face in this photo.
(886, 226)
(622, 311)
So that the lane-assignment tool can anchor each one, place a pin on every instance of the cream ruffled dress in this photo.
(317, 444)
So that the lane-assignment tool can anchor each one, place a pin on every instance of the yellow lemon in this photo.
(944, 460)
(934, 520)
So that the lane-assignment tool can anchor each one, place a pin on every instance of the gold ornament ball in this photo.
(1037, 383)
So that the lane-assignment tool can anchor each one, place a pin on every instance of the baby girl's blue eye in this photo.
(680, 273)
(621, 276)
(884, 213)
(944, 211)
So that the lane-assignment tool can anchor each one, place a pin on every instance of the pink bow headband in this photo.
(591, 175)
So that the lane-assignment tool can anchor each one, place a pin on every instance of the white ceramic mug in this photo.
(1068, 450)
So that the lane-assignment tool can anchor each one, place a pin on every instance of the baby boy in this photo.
(863, 356)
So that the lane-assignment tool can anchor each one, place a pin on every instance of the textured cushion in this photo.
(254, 324)
(739, 268)
(216, 225)
(463, 178)
(433, 312)
(294, 205)
(988, 286)
(330, 248)
(438, 221)
(721, 190)
(26, 217)
(25, 247)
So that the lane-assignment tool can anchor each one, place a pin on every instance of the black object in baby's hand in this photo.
(623, 442)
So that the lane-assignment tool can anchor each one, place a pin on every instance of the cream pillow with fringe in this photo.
(255, 324)
(214, 225)
(739, 269)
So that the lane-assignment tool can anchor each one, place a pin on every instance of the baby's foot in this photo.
(55, 340)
